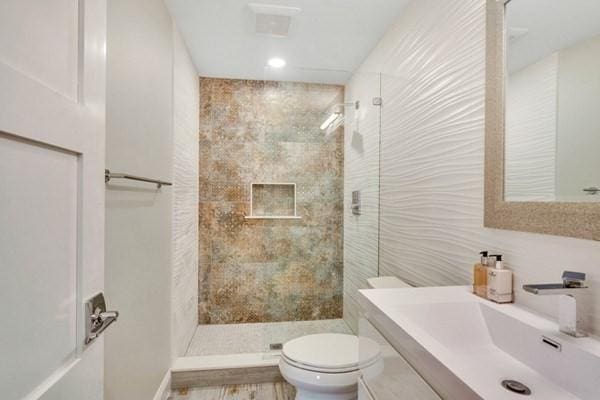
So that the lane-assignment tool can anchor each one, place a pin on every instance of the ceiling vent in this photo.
(273, 20)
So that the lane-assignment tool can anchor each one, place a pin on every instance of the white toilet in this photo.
(327, 366)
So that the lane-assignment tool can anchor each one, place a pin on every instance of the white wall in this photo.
(138, 217)
(552, 126)
(530, 139)
(579, 120)
(432, 161)
(186, 106)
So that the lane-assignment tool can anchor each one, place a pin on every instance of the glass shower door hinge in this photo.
(377, 101)
(355, 206)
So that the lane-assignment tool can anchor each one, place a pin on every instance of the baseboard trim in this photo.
(164, 390)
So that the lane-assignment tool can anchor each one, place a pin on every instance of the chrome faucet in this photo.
(571, 315)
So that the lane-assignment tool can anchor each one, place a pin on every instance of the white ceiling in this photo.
(328, 39)
(551, 25)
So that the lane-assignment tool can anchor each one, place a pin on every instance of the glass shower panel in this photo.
(361, 184)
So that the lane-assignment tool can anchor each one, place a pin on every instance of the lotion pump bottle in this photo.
(499, 283)
(480, 276)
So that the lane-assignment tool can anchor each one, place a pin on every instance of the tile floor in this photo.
(256, 338)
(265, 391)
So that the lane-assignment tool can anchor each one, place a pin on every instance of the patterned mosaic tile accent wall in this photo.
(269, 270)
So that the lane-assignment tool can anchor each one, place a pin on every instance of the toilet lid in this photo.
(331, 351)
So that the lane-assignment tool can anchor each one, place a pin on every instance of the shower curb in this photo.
(235, 369)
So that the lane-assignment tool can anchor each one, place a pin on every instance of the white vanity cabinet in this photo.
(397, 381)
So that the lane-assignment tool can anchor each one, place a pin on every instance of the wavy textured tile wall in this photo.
(433, 65)
(186, 94)
(431, 178)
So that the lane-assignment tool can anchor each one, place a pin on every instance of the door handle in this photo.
(97, 319)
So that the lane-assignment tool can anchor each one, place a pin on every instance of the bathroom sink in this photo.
(466, 347)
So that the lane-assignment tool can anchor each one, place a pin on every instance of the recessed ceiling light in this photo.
(276, 63)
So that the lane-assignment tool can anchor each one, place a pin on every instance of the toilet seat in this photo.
(330, 353)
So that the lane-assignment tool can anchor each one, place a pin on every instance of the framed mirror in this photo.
(542, 156)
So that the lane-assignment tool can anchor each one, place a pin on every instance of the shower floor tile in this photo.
(265, 391)
(256, 338)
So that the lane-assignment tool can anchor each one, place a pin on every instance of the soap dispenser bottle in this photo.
(480, 276)
(499, 282)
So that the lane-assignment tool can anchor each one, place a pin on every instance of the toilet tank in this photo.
(386, 282)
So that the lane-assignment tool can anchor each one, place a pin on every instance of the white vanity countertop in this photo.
(483, 343)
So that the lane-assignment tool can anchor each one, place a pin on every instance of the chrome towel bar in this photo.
(117, 175)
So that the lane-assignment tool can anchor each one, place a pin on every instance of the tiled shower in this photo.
(271, 203)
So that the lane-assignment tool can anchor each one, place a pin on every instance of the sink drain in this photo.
(516, 387)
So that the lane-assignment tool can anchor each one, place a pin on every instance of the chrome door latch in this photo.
(97, 319)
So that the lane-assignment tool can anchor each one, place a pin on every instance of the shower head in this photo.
(336, 115)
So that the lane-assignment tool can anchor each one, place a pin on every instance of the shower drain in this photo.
(516, 387)
(276, 346)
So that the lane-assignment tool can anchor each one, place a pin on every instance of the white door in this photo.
(52, 82)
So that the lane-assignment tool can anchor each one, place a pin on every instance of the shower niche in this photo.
(273, 201)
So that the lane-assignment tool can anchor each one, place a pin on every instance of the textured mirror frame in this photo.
(580, 220)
